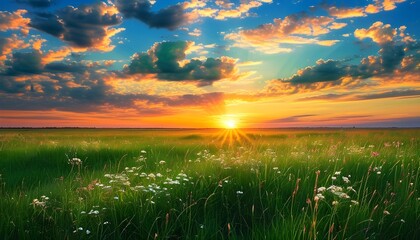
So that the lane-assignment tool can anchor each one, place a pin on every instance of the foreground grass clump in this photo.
(203, 184)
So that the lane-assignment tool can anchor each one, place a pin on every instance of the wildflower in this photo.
(333, 178)
(239, 192)
(319, 196)
(345, 179)
(94, 212)
(38, 203)
(87, 232)
(337, 173)
(143, 151)
(161, 162)
(334, 203)
(321, 189)
(116, 198)
(80, 229)
(82, 212)
(344, 195)
(75, 161)
(374, 154)
(354, 202)
(378, 172)
(106, 223)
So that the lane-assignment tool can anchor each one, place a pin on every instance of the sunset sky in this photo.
(198, 63)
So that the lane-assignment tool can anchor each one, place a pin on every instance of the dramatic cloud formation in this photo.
(14, 21)
(171, 17)
(168, 61)
(37, 3)
(85, 27)
(395, 54)
(293, 29)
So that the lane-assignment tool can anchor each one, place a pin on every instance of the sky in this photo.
(202, 63)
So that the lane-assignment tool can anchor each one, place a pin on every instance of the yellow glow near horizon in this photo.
(230, 123)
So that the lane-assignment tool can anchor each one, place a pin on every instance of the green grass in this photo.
(190, 184)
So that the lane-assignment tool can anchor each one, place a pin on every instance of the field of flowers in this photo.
(210, 184)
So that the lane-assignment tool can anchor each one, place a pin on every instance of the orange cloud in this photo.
(346, 12)
(293, 29)
(336, 25)
(391, 4)
(9, 45)
(372, 8)
(14, 21)
(378, 32)
(53, 56)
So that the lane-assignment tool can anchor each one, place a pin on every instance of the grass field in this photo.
(210, 184)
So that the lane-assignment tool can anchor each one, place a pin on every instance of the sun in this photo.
(230, 124)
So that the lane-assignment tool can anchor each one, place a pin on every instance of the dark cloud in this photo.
(49, 23)
(65, 66)
(24, 63)
(164, 59)
(171, 17)
(400, 93)
(88, 26)
(390, 58)
(295, 118)
(37, 3)
(324, 71)
(10, 85)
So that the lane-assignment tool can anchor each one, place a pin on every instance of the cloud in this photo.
(196, 32)
(395, 54)
(168, 61)
(378, 32)
(170, 17)
(85, 27)
(7, 45)
(24, 63)
(37, 3)
(346, 12)
(240, 11)
(399, 93)
(225, 9)
(391, 4)
(291, 119)
(363, 11)
(323, 71)
(14, 21)
(292, 30)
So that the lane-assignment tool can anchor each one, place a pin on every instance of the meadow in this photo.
(209, 184)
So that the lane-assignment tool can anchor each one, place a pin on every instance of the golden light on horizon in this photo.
(230, 123)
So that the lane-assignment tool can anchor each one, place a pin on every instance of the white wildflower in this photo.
(345, 179)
